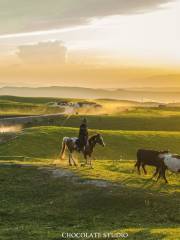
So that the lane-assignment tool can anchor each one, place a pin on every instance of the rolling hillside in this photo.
(90, 93)
(45, 143)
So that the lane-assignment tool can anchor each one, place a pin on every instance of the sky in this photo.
(82, 42)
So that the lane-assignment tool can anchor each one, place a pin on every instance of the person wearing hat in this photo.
(83, 135)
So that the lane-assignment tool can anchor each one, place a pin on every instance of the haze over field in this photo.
(140, 95)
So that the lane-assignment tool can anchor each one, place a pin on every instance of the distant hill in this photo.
(147, 95)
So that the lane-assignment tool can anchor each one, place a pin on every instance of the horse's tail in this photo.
(63, 149)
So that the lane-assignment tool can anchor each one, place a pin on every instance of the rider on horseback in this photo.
(83, 136)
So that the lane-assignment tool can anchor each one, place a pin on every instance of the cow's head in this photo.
(163, 154)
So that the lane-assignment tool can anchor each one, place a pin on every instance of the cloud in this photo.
(43, 53)
(25, 16)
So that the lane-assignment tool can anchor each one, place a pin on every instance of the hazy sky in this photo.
(103, 33)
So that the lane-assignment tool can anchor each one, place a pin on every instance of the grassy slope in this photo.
(25, 108)
(140, 119)
(45, 142)
(36, 206)
(33, 100)
(141, 122)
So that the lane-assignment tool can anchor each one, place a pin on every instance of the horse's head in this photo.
(99, 140)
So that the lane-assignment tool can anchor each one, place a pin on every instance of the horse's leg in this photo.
(73, 160)
(94, 158)
(90, 159)
(63, 150)
(86, 159)
(70, 164)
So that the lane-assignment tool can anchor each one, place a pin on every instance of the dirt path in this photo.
(27, 119)
(65, 173)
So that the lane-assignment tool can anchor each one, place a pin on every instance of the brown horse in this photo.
(71, 145)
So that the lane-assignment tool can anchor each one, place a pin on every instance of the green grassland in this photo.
(33, 100)
(45, 142)
(136, 122)
(35, 205)
(22, 106)
(133, 118)
(9, 108)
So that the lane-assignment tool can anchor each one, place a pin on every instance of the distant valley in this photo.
(138, 94)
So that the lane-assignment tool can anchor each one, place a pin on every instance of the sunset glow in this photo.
(109, 44)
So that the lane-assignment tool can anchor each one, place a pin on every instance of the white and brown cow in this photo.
(171, 161)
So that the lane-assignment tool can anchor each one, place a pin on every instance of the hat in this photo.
(84, 120)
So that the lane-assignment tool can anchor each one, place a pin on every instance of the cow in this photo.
(171, 161)
(151, 158)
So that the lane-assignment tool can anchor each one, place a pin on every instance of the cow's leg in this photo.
(160, 170)
(143, 167)
(156, 172)
(135, 166)
(158, 176)
(164, 174)
(138, 165)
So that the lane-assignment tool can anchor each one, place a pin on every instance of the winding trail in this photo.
(66, 174)
(71, 176)
(27, 119)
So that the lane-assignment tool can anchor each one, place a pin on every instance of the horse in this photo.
(71, 144)
(151, 158)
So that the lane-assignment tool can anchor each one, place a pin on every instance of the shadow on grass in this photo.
(146, 234)
(34, 205)
(142, 180)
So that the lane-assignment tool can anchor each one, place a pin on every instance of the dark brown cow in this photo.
(151, 158)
